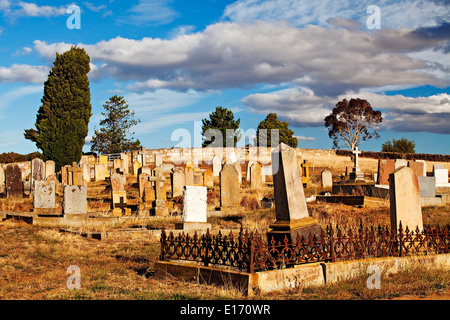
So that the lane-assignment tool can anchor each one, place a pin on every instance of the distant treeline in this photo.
(11, 157)
(396, 155)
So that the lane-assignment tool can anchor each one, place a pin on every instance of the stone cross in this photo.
(356, 152)
(75, 170)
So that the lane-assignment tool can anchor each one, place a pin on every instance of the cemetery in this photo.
(255, 219)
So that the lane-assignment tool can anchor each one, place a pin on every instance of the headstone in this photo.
(400, 163)
(86, 173)
(405, 200)
(49, 168)
(14, 184)
(441, 176)
(417, 167)
(327, 179)
(208, 179)
(37, 170)
(217, 166)
(158, 160)
(249, 165)
(102, 159)
(64, 175)
(44, 197)
(189, 172)
(292, 218)
(194, 209)
(385, 168)
(118, 182)
(2, 180)
(75, 199)
(239, 170)
(142, 159)
(178, 181)
(427, 186)
(99, 172)
(136, 166)
(229, 186)
(424, 167)
(256, 176)
(232, 158)
(125, 162)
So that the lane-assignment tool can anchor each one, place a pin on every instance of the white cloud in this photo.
(33, 10)
(227, 55)
(301, 107)
(150, 12)
(303, 138)
(23, 73)
(394, 13)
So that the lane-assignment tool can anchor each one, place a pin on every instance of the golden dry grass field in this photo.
(34, 262)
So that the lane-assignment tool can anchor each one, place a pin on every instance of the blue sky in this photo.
(174, 61)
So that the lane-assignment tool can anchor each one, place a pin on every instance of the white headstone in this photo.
(194, 204)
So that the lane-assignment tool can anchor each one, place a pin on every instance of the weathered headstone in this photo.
(86, 173)
(217, 166)
(75, 199)
(103, 159)
(14, 184)
(125, 162)
(208, 179)
(37, 171)
(385, 168)
(99, 172)
(118, 182)
(417, 167)
(44, 197)
(194, 209)
(158, 160)
(249, 165)
(255, 176)
(400, 163)
(292, 218)
(49, 168)
(229, 186)
(327, 179)
(136, 166)
(2, 180)
(178, 181)
(405, 200)
(144, 182)
(189, 172)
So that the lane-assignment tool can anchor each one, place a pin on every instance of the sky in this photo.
(175, 61)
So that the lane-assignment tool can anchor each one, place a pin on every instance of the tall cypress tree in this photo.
(63, 118)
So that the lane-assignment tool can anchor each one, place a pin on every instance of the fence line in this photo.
(253, 252)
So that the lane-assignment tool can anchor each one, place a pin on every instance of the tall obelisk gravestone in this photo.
(292, 218)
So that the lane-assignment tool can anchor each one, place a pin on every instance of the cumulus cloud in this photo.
(301, 107)
(228, 55)
(23, 73)
(150, 12)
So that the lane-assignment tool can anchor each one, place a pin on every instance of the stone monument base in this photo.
(292, 229)
(47, 212)
(193, 226)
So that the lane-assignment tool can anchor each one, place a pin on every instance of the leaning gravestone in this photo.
(75, 199)
(229, 186)
(292, 218)
(405, 200)
(194, 209)
(14, 184)
(44, 197)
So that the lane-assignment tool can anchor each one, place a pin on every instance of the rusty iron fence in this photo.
(253, 252)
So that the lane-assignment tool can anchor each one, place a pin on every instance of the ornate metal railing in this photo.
(252, 252)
